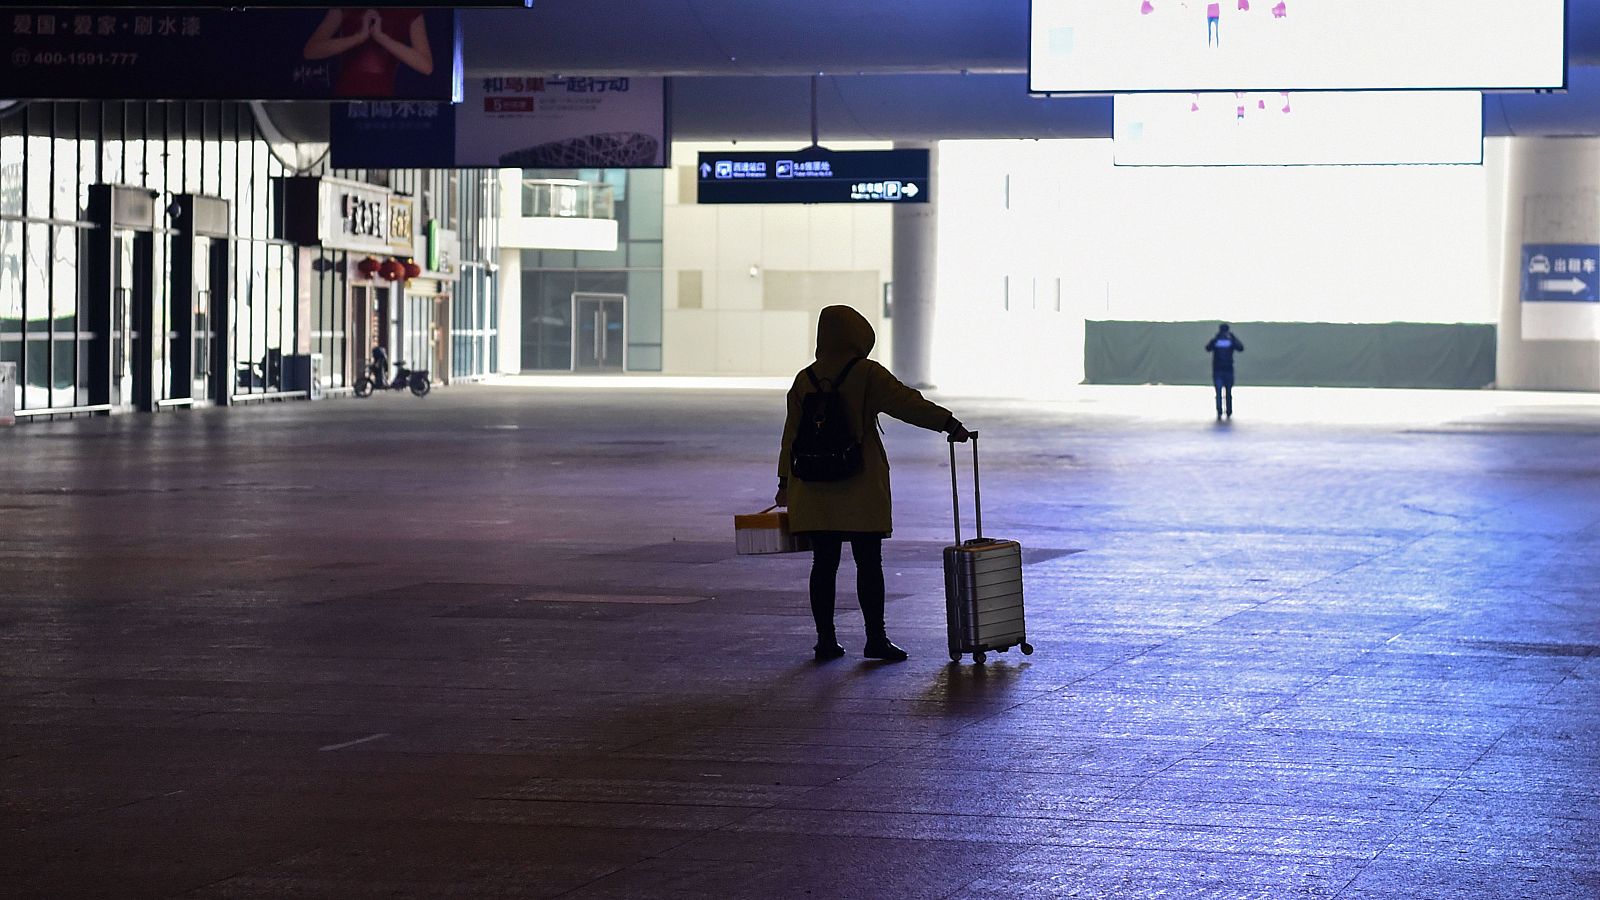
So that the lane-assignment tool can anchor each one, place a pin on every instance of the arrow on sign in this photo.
(705, 170)
(911, 189)
(1570, 285)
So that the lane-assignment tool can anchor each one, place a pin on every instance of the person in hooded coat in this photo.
(856, 509)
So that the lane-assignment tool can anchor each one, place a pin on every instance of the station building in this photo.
(165, 254)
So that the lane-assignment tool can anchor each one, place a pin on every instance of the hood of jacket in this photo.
(843, 334)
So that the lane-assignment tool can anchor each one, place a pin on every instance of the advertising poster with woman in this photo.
(184, 53)
(373, 49)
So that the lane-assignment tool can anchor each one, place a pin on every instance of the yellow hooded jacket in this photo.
(860, 503)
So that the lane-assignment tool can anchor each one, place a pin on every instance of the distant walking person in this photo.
(833, 474)
(1222, 347)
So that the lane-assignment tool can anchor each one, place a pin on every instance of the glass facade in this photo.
(108, 303)
(475, 307)
(551, 278)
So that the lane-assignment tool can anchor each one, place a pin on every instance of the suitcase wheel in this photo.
(955, 657)
(978, 657)
(1027, 649)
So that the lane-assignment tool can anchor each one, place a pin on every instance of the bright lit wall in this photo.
(1304, 244)
(743, 283)
(1299, 128)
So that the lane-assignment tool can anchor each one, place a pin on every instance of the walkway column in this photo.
(509, 278)
(916, 245)
(1552, 197)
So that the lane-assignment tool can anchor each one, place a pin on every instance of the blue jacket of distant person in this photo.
(1222, 347)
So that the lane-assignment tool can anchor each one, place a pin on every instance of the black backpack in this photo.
(826, 446)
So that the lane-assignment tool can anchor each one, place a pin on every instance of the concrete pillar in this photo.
(916, 245)
(508, 279)
(509, 284)
(1552, 196)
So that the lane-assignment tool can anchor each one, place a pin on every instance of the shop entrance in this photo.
(119, 347)
(439, 340)
(194, 342)
(372, 326)
(133, 379)
(599, 332)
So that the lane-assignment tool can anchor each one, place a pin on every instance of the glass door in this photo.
(124, 285)
(363, 332)
(208, 271)
(599, 332)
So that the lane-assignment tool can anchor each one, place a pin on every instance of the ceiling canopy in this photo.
(893, 69)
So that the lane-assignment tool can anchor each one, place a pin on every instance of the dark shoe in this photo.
(885, 650)
(827, 651)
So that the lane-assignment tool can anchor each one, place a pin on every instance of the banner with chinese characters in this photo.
(182, 53)
(522, 121)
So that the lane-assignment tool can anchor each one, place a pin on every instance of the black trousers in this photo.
(826, 549)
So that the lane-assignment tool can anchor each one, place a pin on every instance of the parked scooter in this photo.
(415, 379)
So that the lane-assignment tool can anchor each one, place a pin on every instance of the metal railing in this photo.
(562, 198)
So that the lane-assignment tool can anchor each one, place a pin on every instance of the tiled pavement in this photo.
(496, 643)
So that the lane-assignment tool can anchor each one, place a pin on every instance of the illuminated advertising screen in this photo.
(1288, 128)
(1125, 46)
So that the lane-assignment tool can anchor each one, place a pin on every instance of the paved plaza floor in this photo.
(496, 642)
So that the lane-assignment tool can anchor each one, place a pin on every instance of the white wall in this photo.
(509, 287)
(756, 309)
(1304, 244)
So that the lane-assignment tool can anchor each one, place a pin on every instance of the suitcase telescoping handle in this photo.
(977, 490)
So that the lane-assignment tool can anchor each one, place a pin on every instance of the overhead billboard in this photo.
(814, 175)
(532, 122)
(1283, 128)
(321, 4)
(1126, 46)
(182, 53)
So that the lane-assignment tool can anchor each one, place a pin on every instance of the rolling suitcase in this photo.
(982, 583)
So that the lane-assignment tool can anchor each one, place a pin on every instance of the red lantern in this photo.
(412, 269)
(367, 267)
(391, 270)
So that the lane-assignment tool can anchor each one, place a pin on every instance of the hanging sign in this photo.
(815, 175)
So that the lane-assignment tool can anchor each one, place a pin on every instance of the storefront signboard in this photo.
(348, 215)
(443, 253)
(402, 231)
(530, 122)
(354, 217)
(155, 53)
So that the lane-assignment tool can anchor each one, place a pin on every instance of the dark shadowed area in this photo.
(497, 643)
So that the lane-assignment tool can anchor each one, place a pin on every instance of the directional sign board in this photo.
(815, 175)
(1561, 272)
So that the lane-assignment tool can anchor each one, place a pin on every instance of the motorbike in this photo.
(414, 379)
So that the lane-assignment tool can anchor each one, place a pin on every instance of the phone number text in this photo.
(82, 58)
